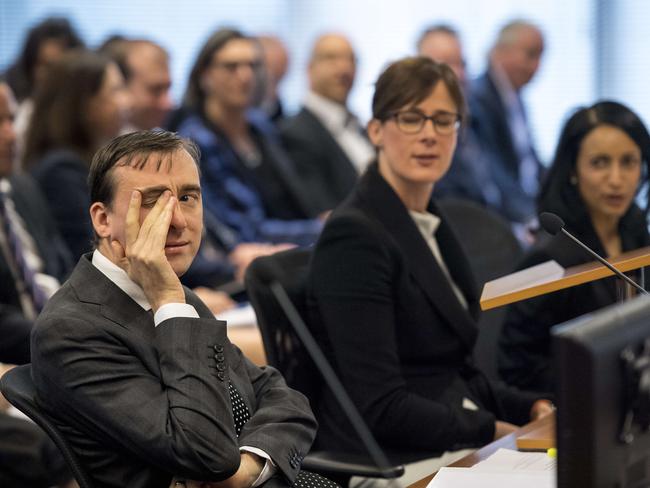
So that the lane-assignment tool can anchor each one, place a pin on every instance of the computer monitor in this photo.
(602, 396)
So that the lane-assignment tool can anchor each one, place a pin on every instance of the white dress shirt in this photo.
(428, 224)
(344, 127)
(169, 310)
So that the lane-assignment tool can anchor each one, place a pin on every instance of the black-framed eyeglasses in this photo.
(412, 121)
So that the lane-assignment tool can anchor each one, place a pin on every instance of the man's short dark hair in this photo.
(132, 150)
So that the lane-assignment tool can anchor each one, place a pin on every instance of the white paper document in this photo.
(511, 460)
(505, 468)
(241, 316)
(471, 478)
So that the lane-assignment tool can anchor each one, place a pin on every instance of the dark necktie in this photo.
(22, 267)
(241, 415)
(240, 411)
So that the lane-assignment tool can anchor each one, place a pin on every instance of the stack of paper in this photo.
(505, 468)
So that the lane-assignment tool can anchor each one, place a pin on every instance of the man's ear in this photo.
(376, 133)
(101, 220)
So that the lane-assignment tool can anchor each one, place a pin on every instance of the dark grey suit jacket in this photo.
(326, 172)
(386, 314)
(141, 403)
(490, 121)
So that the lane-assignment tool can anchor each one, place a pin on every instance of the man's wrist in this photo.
(167, 298)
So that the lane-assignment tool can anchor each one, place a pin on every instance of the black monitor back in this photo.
(592, 401)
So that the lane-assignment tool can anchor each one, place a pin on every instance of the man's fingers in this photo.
(133, 218)
(119, 256)
(151, 220)
(160, 229)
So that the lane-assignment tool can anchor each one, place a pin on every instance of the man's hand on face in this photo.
(144, 257)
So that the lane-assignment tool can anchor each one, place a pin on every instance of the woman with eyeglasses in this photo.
(392, 298)
(249, 183)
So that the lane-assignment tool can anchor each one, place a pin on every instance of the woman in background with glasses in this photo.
(392, 298)
(249, 183)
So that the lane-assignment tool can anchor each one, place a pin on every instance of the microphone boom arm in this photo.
(616, 272)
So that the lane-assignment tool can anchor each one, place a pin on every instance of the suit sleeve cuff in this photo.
(269, 466)
(174, 310)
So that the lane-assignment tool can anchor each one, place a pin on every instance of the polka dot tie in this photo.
(241, 414)
(240, 411)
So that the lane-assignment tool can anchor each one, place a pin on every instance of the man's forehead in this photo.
(157, 166)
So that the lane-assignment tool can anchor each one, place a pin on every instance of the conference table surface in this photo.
(545, 426)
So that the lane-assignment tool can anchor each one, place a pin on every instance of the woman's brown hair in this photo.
(59, 118)
(409, 81)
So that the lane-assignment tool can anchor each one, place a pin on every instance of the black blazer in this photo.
(326, 172)
(398, 336)
(140, 403)
(525, 343)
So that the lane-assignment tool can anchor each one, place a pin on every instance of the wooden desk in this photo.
(543, 425)
(249, 339)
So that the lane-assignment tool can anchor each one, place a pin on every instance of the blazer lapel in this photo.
(390, 212)
(93, 287)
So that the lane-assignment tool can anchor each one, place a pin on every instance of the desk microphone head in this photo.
(551, 223)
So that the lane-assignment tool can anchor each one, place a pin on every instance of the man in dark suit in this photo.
(500, 117)
(325, 140)
(133, 367)
(27, 456)
(469, 177)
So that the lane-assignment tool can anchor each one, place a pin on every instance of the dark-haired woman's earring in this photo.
(573, 180)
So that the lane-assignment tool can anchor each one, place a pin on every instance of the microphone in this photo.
(553, 224)
(267, 272)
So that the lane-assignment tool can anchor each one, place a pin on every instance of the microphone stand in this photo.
(333, 382)
(622, 276)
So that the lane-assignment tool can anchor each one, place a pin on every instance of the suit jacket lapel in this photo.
(344, 168)
(391, 213)
(93, 287)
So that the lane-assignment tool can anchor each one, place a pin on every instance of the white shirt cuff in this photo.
(174, 310)
(269, 466)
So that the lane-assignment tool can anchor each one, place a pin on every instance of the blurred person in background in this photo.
(501, 120)
(249, 187)
(80, 105)
(28, 458)
(325, 140)
(44, 44)
(470, 176)
(145, 67)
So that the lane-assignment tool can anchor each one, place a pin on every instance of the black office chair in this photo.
(493, 251)
(18, 388)
(285, 351)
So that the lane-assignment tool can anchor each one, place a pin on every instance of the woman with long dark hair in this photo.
(600, 166)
